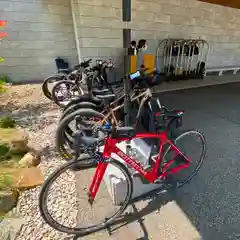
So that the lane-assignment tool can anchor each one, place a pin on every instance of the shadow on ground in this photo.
(137, 215)
(211, 201)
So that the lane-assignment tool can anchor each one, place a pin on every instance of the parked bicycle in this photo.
(106, 183)
(62, 75)
(166, 168)
(108, 109)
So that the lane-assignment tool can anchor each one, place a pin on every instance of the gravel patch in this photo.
(39, 118)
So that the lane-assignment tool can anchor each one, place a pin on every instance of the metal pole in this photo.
(126, 9)
(126, 17)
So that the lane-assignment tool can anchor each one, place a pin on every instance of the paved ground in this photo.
(211, 202)
(207, 81)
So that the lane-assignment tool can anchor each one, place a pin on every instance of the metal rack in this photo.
(182, 58)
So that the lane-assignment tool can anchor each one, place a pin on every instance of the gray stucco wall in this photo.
(99, 26)
(39, 31)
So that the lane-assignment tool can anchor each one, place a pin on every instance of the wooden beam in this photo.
(227, 3)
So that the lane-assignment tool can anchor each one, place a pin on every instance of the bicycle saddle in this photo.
(100, 91)
(85, 98)
(108, 97)
(123, 132)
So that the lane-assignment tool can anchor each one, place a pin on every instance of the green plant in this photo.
(3, 79)
(6, 180)
(2, 87)
(7, 122)
(4, 151)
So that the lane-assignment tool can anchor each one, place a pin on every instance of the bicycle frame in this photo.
(111, 111)
(152, 175)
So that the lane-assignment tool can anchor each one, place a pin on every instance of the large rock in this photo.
(8, 200)
(17, 139)
(23, 178)
(30, 159)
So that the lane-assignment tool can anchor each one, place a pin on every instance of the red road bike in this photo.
(163, 169)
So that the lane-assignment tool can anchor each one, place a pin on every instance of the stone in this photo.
(23, 178)
(10, 227)
(16, 138)
(8, 200)
(31, 159)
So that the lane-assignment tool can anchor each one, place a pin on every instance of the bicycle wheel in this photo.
(64, 91)
(77, 106)
(81, 221)
(46, 84)
(67, 126)
(191, 148)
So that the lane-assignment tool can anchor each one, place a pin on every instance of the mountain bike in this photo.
(61, 76)
(164, 169)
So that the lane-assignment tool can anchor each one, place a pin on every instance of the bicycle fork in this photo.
(97, 179)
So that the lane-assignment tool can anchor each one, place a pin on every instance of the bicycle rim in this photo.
(82, 211)
(45, 85)
(72, 108)
(64, 139)
(60, 97)
(189, 152)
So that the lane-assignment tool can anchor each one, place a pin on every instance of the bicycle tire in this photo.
(78, 106)
(203, 154)
(81, 165)
(63, 126)
(45, 87)
(67, 82)
(84, 98)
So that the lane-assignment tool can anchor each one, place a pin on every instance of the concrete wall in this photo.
(39, 31)
(99, 26)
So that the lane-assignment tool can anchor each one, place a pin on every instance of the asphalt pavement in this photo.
(208, 207)
(212, 199)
